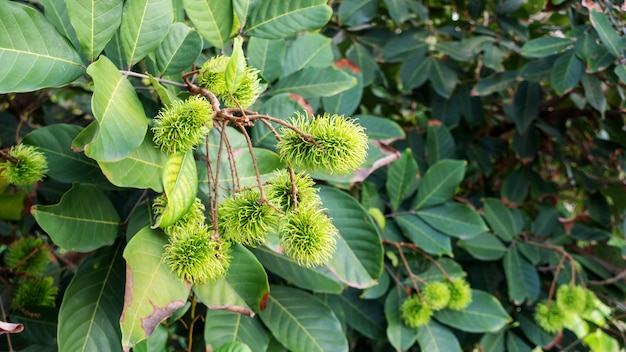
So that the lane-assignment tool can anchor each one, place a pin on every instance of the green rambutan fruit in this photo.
(25, 166)
(570, 299)
(183, 125)
(590, 303)
(28, 255)
(436, 295)
(550, 318)
(339, 144)
(460, 294)
(415, 312)
(308, 236)
(212, 77)
(279, 190)
(194, 217)
(245, 219)
(33, 292)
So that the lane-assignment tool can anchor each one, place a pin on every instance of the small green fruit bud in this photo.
(183, 125)
(308, 237)
(415, 312)
(460, 294)
(436, 295)
(25, 166)
(552, 319)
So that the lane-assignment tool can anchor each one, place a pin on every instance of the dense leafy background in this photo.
(496, 154)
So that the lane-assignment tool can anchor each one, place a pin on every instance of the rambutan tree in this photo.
(310, 175)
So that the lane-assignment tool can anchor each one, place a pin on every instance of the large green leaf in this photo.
(178, 50)
(348, 101)
(141, 169)
(423, 235)
(245, 284)
(84, 219)
(56, 13)
(153, 291)
(398, 10)
(380, 128)
(180, 183)
(309, 50)
(400, 336)
(437, 338)
(439, 143)
(484, 247)
(95, 22)
(236, 67)
(358, 260)
(442, 77)
(12, 206)
(610, 38)
(505, 222)
(144, 25)
(64, 164)
(499, 81)
(289, 317)
(594, 93)
(545, 46)
(525, 108)
(484, 314)
(439, 183)
(364, 60)
(454, 219)
(122, 122)
(212, 18)
(222, 326)
(521, 277)
(318, 279)
(274, 20)
(493, 342)
(402, 177)
(92, 304)
(357, 12)
(33, 54)
(364, 316)
(566, 72)
(313, 82)
(267, 55)
(409, 44)
(242, 8)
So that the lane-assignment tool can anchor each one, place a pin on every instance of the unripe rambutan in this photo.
(183, 125)
(552, 319)
(570, 299)
(415, 312)
(33, 292)
(279, 190)
(245, 219)
(28, 255)
(25, 166)
(308, 237)
(460, 294)
(212, 77)
(436, 295)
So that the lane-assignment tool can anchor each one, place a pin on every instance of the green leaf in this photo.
(484, 247)
(319, 279)
(64, 164)
(179, 50)
(242, 8)
(594, 92)
(288, 316)
(84, 219)
(398, 10)
(484, 314)
(495, 83)
(275, 20)
(439, 143)
(439, 183)
(493, 342)
(515, 343)
(406, 45)
(566, 72)
(245, 284)
(545, 46)
(92, 304)
(95, 22)
(457, 50)
(400, 336)
(180, 184)
(236, 67)
(538, 70)
(153, 291)
(610, 38)
(308, 50)
(442, 77)
(506, 223)
(358, 260)
(364, 316)
(515, 187)
(145, 24)
(357, 12)
(414, 72)
(267, 55)
(33, 53)
(401, 177)
(313, 82)
(222, 326)
(454, 219)
(380, 128)
(122, 122)
(521, 277)
(424, 236)
(364, 60)
(525, 108)
(55, 11)
(166, 95)
(348, 101)
(620, 71)
(212, 18)
(11, 206)
(437, 338)
(141, 169)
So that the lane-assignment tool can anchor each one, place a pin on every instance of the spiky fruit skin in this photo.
(245, 219)
(27, 167)
(28, 255)
(193, 218)
(339, 146)
(308, 237)
(570, 299)
(590, 303)
(280, 191)
(460, 294)
(33, 292)
(436, 295)
(415, 312)
(550, 318)
(212, 77)
(183, 125)
(197, 257)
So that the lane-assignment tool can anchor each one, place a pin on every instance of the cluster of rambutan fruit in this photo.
(287, 205)
(570, 300)
(455, 294)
